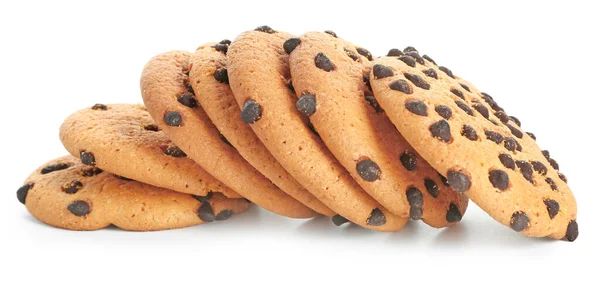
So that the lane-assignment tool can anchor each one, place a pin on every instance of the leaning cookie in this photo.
(63, 193)
(329, 75)
(124, 140)
(259, 76)
(171, 102)
(482, 151)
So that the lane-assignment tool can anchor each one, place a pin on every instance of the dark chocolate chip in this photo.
(526, 170)
(87, 158)
(395, 52)
(458, 93)
(493, 122)
(546, 154)
(515, 120)
(499, 179)
(54, 167)
(444, 111)
(290, 85)
(552, 184)
(338, 220)
(373, 102)
(88, 171)
(251, 112)
(431, 187)
(572, 231)
(377, 218)
(494, 136)
(516, 132)
(507, 161)
(265, 29)
(364, 52)
(368, 170)
(447, 71)
(469, 133)
(224, 139)
(443, 178)
(221, 75)
(290, 45)
(502, 116)
(402, 86)
(431, 73)
(459, 181)
(519, 221)
(465, 87)
(203, 199)
(482, 110)
(72, 187)
(307, 104)
(151, 127)
(410, 49)
(453, 215)
(206, 213)
(22, 192)
(100, 107)
(519, 147)
(382, 71)
(510, 143)
(531, 135)
(79, 208)
(417, 80)
(415, 200)
(323, 62)
(188, 100)
(409, 160)
(415, 55)
(464, 107)
(332, 33)
(224, 215)
(539, 167)
(172, 118)
(367, 81)
(554, 164)
(553, 207)
(225, 42)
(350, 53)
(408, 60)
(428, 58)
(175, 151)
(221, 47)
(562, 177)
(441, 131)
(417, 107)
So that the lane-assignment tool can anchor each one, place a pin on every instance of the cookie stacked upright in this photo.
(301, 126)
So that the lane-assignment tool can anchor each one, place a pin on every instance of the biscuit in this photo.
(63, 193)
(171, 102)
(259, 76)
(124, 140)
(357, 131)
(483, 152)
(208, 77)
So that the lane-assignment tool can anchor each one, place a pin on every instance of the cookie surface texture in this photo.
(62, 194)
(259, 76)
(164, 82)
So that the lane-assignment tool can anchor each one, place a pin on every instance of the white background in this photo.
(539, 60)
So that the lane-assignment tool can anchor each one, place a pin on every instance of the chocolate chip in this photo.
(457, 93)
(377, 218)
(526, 170)
(417, 107)
(410, 49)
(100, 107)
(368, 170)
(221, 75)
(552, 184)
(290, 86)
(251, 112)
(494, 136)
(87, 158)
(151, 127)
(519, 147)
(373, 102)
(409, 160)
(519, 221)
(203, 199)
(382, 71)
(408, 60)
(572, 231)
(265, 29)
(502, 116)
(206, 213)
(562, 177)
(554, 164)
(54, 167)
(307, 104)
(493, 122)
(432, 187)
(79, 208)
(415, 200)
(488, 99)
(323, 62)
(428, 58)
(441, 131)
(188, 100)
(515, 120)
(469, 133)
(402, 86)
(464, 107)
(507, 161)
(291, 44)
(364, 52)
(482, 110)
(539, 167)
(350, 53)
(224, 215)
(417, 80)
(330, 32)
(338, 220)
(553, 207)
(415, 55)
(88, 171)
(465, 87)
(221, 47)
(225, 42)
(431, 73)
(510, 143)
(175, 151)
(531, 135)
(172, 118)
(443, 178)
(444, 111)
(499, 179)
(459, 181)
(453, 215)
(516, 132)
(447, 71)
(72, 187)
(22, 192)
(546, 154)
(395, 52)
(224, 139)
(367, 81)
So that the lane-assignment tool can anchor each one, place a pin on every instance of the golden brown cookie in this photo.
(171, 102)
(124, 140)
(65, 194)
(259, 77)
(483, 152)
(328, 76)
(208, 77)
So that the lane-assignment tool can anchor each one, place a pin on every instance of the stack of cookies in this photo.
(301, 126)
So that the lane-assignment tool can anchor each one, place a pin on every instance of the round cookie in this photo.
(337, 101)
(208, 77)
(124, 140)
(482, 151)
(65, 194)
(171, 102)
(259, 77)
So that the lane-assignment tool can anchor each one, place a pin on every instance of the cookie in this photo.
(171, 102)
(339, 102)
(259, 76)
(63, 194)
(209, 79)
(465, 135)
(124, 140)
